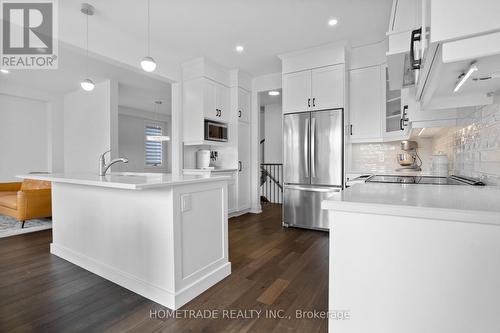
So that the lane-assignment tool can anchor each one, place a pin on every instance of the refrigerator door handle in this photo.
(306, 157)
(312, 188)
(313, 147)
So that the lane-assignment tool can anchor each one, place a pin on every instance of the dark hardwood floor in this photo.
(272, 269)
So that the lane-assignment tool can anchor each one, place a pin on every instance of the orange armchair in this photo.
(27, 200)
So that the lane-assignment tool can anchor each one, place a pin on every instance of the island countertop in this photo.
(126, 180)
(477, 204)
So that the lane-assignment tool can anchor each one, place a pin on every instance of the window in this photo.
(154, 149)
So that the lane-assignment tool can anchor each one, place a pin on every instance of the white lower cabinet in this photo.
(232, 185)
(244, 184)
(232, 191)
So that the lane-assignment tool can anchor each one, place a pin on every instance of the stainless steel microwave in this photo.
(215, 131)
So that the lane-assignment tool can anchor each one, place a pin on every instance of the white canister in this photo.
(440, 164)
(202, 159)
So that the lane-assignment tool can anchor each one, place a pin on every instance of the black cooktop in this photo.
(452, 180)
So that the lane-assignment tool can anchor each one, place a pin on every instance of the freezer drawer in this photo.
(302, 206)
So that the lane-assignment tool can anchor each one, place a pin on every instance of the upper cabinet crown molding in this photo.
(368, 55)
(202, 67)
(320, 56)
(238, 78)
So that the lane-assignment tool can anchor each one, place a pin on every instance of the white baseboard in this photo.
(193, 290)
(170, 299)
(257, 209)
(239, 213)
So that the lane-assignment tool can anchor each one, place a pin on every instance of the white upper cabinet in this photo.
(455, 35)
(316, 89)
(404, 16)
(327, 88)
(244, 98)
(203, 99)
(365, 103)
(216, 101)
(297, 91)
(452, 19)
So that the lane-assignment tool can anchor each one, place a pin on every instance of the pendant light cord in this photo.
(148, 30)
(87, 44)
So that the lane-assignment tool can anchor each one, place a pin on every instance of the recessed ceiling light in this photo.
(239, 48)
(333, 22)
(4, 71)
(273, 93)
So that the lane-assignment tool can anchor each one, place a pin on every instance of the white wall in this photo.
(24, 136)
(273, 126)
(131, 124)
(90, 126)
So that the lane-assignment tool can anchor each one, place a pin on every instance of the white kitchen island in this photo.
(415, 258)
(164, 237)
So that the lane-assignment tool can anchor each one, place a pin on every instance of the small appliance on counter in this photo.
(440, 164)
(408, 158)
(203, 159)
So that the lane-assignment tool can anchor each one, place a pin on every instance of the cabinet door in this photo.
(243, 105)
(232, 195)
(405, 15)
(365, 102)
(297, 92)
(244, 188)
(209, 100)
(222, 102)
(327, 88)
(232, 200)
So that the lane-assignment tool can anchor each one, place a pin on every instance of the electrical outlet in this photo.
(186, 202)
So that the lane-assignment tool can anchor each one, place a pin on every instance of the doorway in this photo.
(271, 147)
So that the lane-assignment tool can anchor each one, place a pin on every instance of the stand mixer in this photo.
(408, 159)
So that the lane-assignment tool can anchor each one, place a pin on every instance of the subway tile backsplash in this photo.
(381, 157)
(474, 148)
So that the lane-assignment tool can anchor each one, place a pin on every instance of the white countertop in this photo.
(479, 204)
(211, 170)
(126, 180)
(396, 173)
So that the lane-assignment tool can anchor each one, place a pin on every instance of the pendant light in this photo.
(157, 138)
(148, 64)
(87, 9)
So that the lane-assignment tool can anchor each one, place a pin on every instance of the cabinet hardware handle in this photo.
(240, 166)
(403, 118)
(314, 101)
(350, 130)
(416, 36)
(308, 102)
(239, 114)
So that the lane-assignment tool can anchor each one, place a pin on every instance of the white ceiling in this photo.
(186, 29)
(136, 89)
(266, 99)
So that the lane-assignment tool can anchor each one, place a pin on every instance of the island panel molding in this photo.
(167, 243)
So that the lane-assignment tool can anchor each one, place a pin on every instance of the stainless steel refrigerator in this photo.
(313, 160)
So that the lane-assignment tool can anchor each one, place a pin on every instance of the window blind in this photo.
(154, 149)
